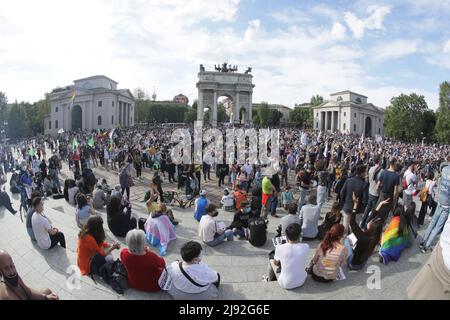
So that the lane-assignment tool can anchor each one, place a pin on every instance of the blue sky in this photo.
(297, 48)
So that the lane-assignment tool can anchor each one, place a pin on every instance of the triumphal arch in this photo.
(225, 81)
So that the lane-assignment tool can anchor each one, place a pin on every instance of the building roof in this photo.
(331, 104)
(347, 91)
(97, 76)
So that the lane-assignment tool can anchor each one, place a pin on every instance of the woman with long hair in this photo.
(333, 217)
(366, 241)
(119, 218)
(330, 255)
(91, 241)
(84, 210)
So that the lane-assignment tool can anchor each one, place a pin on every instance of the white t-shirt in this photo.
(310, 215)
(207, 228)
(41, 225)
(293, 258)
(71, 193)
(445, 244)
(200, 273)
(227, 201)
(411, 180)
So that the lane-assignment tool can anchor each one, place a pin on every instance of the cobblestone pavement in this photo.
(241, 265)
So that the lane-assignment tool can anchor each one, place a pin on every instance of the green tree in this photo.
(316, 100)
(274, 117)
(17, 122)
(222, 113)
(405, 119)
(442, 129)
(263, 112)
(302, 116)
(3, 108)
(191, 115)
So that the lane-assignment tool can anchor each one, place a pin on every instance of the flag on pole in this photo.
(74, 144)
(32, 152)
(72, 98)
(361, 141)
(91, 142)
(111, 133)
(319, 136)
(326, 149)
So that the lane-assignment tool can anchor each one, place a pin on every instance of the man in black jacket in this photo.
(358, 185)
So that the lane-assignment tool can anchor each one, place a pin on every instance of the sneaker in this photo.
(278, 270)
(265, 278)
(423, 250)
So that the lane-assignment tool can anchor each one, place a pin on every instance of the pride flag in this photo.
(91, 142)
(32, 152)
(393, 242)
(74, 144)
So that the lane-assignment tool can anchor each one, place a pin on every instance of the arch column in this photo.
(237, 108)
(200, 107)
(214, 110)
(250, 107)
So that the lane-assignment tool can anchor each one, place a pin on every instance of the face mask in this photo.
(248, 210)
(13, 281)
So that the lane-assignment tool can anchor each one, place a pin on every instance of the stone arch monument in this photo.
(225, 81)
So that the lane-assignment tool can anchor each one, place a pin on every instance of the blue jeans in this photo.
(350, 257)
(273, 205)
(31, 234)
(321, 193)
(301, 199)
(54, 175)
(436, 225)
(239, 232)
(218, 240)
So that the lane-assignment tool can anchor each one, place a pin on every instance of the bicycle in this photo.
(23, 209)
(170, 197)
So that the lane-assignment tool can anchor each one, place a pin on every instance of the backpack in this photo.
(258, 233)
(424, 195)
(113, 273)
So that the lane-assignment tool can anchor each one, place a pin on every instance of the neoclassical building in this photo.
(349, 112)
(97, 104)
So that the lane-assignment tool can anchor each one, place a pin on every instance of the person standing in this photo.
(374, 192)
(410, 181)
(389, 188)
(354, 185)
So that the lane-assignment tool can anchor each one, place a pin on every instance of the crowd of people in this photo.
(371, 184)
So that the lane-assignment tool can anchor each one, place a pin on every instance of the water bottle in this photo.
(444, 184)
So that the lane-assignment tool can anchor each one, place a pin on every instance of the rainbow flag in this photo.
(393, 242)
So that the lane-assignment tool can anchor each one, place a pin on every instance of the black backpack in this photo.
(113, 273)
(258, 232)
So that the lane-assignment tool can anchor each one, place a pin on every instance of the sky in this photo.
(296, 48)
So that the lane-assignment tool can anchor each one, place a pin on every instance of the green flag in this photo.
(32, 152)
(74, 143)
(91, 142)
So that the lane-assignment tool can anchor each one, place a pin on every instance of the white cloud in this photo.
(373, 22)
(395, 49)
(161, 43)
(338, 31)
(447, 47)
